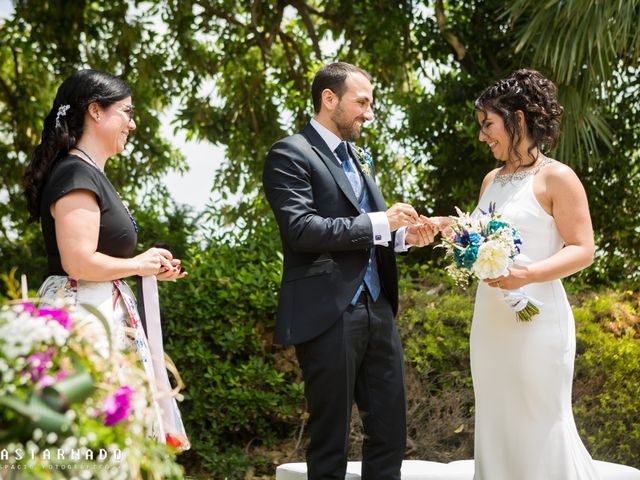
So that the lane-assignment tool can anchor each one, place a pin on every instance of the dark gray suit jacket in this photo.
(325, 237)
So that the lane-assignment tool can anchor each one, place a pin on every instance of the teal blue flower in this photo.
(458, 256)
(470, 256)
(495, 225)
(475, 239)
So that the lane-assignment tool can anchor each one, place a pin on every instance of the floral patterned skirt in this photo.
(117, 304)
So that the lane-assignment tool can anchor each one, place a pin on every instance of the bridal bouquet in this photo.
(68, 410)
(485, 247)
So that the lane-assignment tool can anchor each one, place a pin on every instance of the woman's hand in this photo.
(519, 276)
(172, 273)
(154, 262)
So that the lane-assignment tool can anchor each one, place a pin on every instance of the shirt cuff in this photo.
(400, 245)
(381, 229)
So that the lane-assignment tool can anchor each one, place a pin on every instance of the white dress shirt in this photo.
(379, 221)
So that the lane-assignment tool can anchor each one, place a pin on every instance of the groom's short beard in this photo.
(349, 132)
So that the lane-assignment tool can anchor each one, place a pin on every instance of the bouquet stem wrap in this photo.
(524, 306)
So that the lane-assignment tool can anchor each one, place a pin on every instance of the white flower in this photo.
(493, 260)
(23, 332)
(69, 443)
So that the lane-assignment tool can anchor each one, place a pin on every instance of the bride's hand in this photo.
(422, 233)
(518, 277)
(443, 224)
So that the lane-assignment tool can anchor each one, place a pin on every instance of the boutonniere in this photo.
(365, 160)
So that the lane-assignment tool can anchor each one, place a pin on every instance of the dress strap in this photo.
(543, 163)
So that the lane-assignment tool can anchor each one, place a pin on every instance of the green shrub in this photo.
(606, 387)
(434, 324)
(435, 328)
(218, 324)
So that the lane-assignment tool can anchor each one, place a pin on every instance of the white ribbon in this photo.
(154, 336)
(518, 300)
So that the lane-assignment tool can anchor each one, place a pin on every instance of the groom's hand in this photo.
(402, 215)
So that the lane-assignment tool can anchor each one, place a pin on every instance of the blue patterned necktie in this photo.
(371, 277)
(349, 170)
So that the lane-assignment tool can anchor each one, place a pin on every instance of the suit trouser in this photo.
(359, 358)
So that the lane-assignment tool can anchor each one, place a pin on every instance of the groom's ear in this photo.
(329, 99)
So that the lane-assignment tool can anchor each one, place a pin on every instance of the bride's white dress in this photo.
(523, 371)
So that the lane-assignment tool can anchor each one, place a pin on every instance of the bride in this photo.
(522, 371)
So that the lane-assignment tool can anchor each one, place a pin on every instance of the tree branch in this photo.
(217, 12)
(287, 39)
(448, 35)
(10, 97)
(287, 51)
(302, 8)
(276, 24)
(254, 24)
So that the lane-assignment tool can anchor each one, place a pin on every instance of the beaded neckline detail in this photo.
(505, 178)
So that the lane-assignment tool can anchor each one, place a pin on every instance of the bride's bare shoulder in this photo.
(559, 181)
(488, 179)
(558, 172)
(491, 175)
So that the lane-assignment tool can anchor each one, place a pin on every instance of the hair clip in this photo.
(62, 112)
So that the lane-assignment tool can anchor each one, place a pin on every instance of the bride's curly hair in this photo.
(64, 125)
(536, 97)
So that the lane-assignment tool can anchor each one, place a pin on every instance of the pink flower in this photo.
(45, 381)
(116, 407)
(60, 315)
(38, 363)
(28, 307)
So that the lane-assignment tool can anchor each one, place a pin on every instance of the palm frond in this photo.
(580, 43)
(576, 36)
(584, 132)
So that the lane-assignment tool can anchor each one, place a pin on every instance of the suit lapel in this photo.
(375, 196)
(327, 156)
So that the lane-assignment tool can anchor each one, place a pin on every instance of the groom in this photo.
(339, 291)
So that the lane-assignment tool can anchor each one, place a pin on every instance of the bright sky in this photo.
(5, 8)
(193, 188)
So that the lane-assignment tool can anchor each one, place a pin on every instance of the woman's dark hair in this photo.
(536, 97)
(333, 77)
(64, 125)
